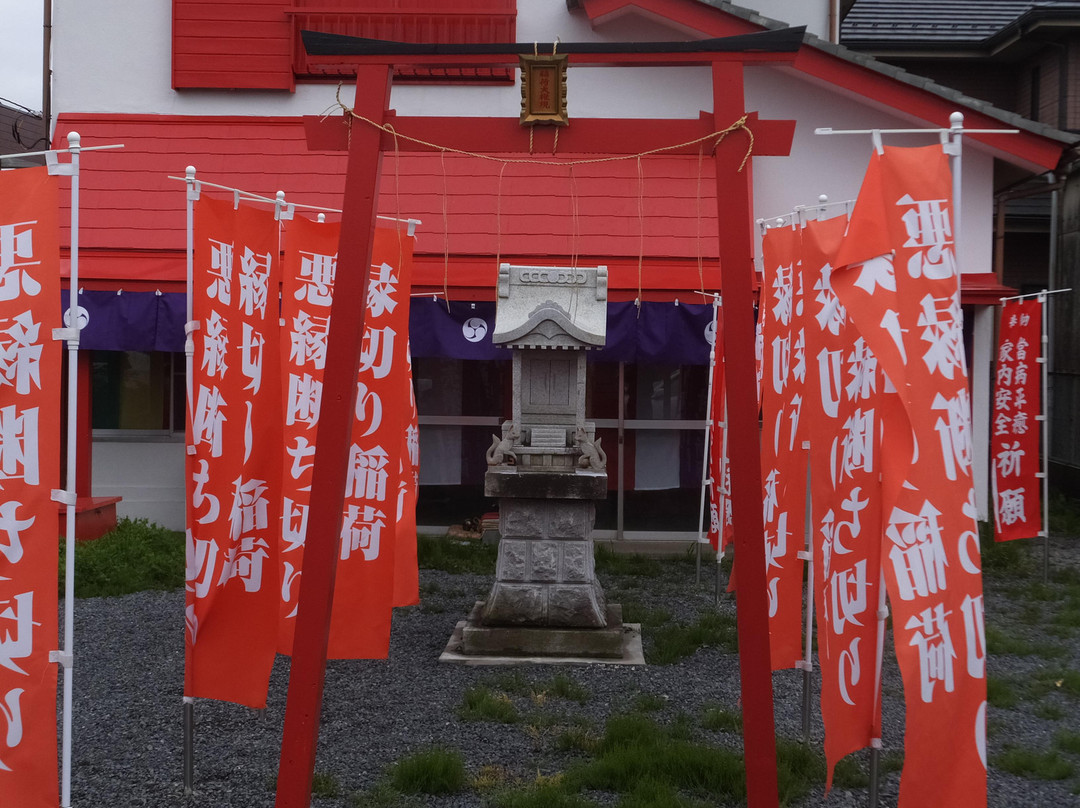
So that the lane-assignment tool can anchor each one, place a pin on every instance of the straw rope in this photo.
(717, 137)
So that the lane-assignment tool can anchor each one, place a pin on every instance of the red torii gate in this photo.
(374, 62)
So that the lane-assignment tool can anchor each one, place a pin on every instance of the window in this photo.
(137, 392)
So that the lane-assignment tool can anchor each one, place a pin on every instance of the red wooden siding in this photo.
(442, 21)
(255, 44)
(232, 45)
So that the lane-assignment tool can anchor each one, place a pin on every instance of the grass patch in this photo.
(481, 703)
(324, 784)
(1034, 765)
(431, 771)
(849, 774)
(543, 795)
(649, 703)
(1001, 693)
(612, 563)
(637, 756)
(1049, 712)
(135, 557)
(382, 796)
(576, 740)
(1067, 741)
(563, 687)
(452, 555)
(635, 612)
(721, 719)
(799, 767)
(1009, 559)
(1001, 642)
(674, 642)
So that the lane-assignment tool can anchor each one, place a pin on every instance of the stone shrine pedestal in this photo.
(546, 599)
(546, 470)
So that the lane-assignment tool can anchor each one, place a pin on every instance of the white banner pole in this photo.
(1044, 361)
(709, 418)
(72, 327)
(721, 505)
(192, 194)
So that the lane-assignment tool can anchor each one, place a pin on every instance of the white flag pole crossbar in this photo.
(239, 194)
(54, 152)
(800, 213)
(1043, 293)
(828, 130)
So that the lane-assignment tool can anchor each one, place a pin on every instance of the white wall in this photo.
(149, 476)
(834, 164)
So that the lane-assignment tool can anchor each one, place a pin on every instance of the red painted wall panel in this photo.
(237, 45)
(256, 44)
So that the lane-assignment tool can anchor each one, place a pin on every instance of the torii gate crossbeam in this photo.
(365, 143)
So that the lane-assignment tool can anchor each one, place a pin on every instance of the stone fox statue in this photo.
(501, 451)
(592, 456)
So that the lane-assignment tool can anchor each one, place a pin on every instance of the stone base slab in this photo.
(570, 484)
(607, 642)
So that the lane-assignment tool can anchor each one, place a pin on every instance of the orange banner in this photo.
(1014, 445)
(900, 287)
(380, 497)
(306, 293)
(30, 372)
(365, 587)
(783, 458)
(843, 414)
(406, 568)
(233, 459)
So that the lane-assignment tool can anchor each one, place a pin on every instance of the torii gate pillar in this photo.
(735, 212)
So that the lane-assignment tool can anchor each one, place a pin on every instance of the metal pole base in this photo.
(189, 746)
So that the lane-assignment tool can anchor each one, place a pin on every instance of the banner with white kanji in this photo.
(1015, 436)
(364, 590)
(783, 459)
(900, 285)
(30, 372)
(308, 269)
(233, 456)
(406, 566)
(843, 413)
(380, 497)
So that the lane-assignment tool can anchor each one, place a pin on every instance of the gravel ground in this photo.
(129, 678)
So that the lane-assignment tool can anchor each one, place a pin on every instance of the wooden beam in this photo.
(609, 136)
(302, 710)
(735, 219)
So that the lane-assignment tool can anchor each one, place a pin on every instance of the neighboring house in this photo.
(21, 130)
(1023, 56)
(223, 86)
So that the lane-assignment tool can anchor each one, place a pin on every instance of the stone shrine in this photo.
(547, 469)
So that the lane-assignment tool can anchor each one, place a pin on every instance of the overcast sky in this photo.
(20, 52)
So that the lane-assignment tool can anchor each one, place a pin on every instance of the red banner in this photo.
(783, 458)
(406, 568)
(233, 462)
(1014, 443)
(306, 293)
(30, 372)
(380, 490)
(843, 414)
(365, 587)
(721, 527)
(900, 287)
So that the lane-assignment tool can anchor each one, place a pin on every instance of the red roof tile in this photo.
(598, 212)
